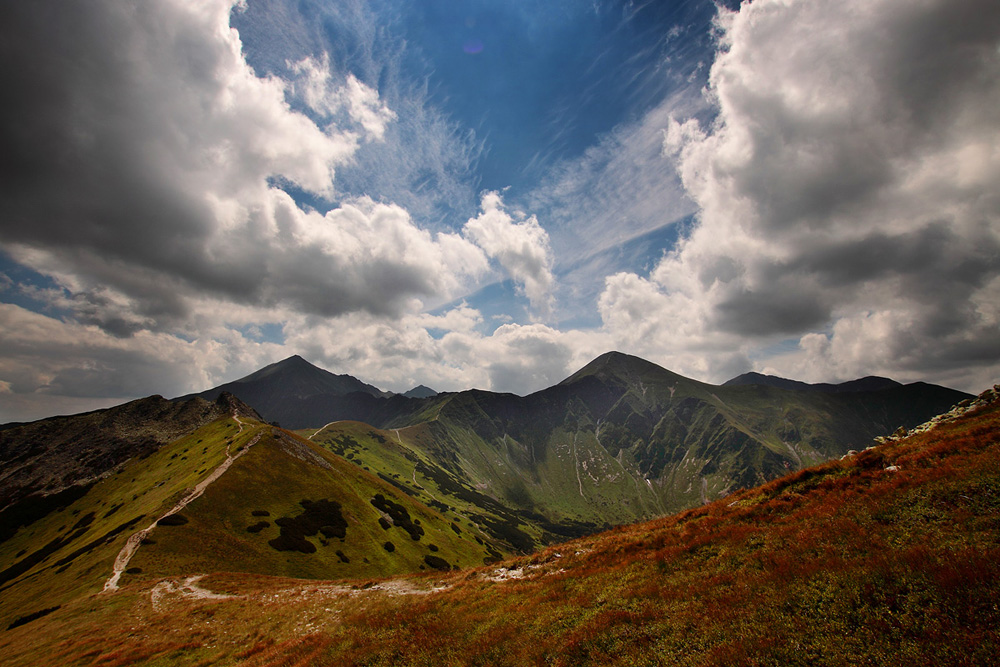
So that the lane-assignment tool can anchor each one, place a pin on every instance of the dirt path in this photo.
(189, 588)
(135, 540)
(576, 460)
(324, 426)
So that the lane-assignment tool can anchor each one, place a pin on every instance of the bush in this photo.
(400, 517)
(437, 562)
(321, 515)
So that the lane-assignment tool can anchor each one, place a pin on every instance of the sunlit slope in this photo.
(71, 551)
(45, 457)
(282, 507)
(290, 508)
(887, 557)
(413, 460)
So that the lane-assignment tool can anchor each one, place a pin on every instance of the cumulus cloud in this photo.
(361, 104)
(846, 193)
(149, 170)
(521, 246)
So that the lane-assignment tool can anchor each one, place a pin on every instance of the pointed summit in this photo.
(623, 367)
(420, 391)
(295, 393)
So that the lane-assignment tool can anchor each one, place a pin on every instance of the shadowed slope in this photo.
(297, 394)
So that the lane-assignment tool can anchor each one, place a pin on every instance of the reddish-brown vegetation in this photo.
(889, 557)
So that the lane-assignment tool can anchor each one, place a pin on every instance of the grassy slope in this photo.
(889, 557)
(407, 458)
(624, 440)
(69, 553)
(268, 479)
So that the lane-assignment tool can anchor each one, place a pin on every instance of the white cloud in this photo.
(51, 365)
(846, 194)
(360, 102)
(619, 189)
(521, 247)
(399, 353)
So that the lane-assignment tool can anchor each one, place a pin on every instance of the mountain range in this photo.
(485, 474)
(182, 553)
(619, 441)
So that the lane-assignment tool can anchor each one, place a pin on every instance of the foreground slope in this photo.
(887, 557)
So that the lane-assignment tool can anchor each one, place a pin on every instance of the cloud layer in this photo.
(151, 171)
(846, 191)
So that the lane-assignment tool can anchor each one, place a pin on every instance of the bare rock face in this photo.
(46, 457)
(230, 404)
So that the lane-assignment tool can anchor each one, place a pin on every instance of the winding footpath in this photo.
(135, 540)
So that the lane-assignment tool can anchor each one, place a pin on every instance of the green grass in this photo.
(268, 479)
(141, 489)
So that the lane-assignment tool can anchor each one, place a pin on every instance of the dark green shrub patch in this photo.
(114, 508)
(334, 531)
(342, 557)
(28, 618)
(400, 517)
(260, 513)
(437, 562)
(257, 527)
(321, 515)
(385, 523)
(389, 546)
(172, 520)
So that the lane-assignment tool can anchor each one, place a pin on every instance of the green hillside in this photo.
(272, 503)
(622, 440)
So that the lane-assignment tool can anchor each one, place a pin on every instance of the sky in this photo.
(486, 193)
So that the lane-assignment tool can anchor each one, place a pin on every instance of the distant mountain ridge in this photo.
(868, 383)
(619, 440)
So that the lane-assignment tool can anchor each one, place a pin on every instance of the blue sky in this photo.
(489, 194)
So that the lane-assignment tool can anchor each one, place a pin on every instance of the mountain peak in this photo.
(619, 365)
(287, 389)
(420, 391)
